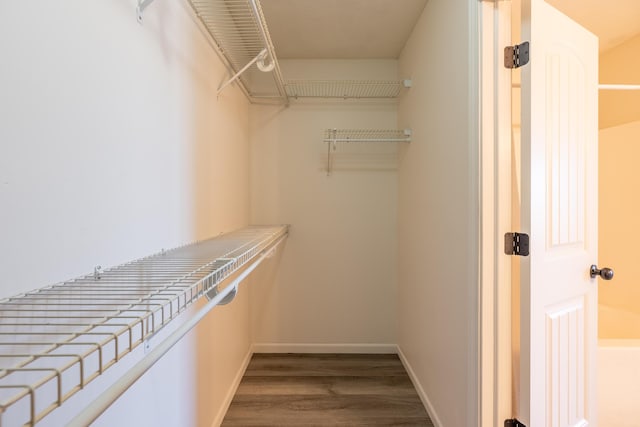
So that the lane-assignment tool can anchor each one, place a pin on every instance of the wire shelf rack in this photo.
(366, 135)
(333, 137)
(240, 32)
(241, 35)
(345, 89)
(57, 339)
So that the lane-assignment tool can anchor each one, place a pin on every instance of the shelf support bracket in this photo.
(260, 57)
(331, 144)
(142, 5)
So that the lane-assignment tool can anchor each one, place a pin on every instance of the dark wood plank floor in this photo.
(326, 390)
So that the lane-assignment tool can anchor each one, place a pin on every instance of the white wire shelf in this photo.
(55, 340)
(334, 137)
(346, 89)
(241, 35)
(366, 135)
(240, 31)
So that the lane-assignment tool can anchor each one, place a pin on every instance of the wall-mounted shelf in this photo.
(242, 36)
(366, 135)
(55, 340)
(345, 89)
(334, 137)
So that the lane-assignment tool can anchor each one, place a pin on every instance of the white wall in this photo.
(113, 146)
(437, 247)
(335, 286)
(619, 204)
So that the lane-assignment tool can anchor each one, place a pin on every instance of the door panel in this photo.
(566, 161)
(559, 212)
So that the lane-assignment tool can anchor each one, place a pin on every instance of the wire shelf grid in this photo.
(240, 32)
(346, 89)
(55, 340)
(367, 135)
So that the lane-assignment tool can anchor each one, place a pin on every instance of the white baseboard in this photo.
(324, 348)
(232, 390)
(423, 396)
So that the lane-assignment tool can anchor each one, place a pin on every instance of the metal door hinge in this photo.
(516, 244)
(516, 56)
(513, 423)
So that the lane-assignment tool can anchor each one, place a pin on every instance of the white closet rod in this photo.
(106, 399)
(619, 87)
(604, 87)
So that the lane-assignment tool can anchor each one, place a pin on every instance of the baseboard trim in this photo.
(232, 390)
(324, 348)
(416, 383)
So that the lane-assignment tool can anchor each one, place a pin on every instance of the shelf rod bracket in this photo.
(142, 5)
(331, 143)
(260, 57)
(257, 10)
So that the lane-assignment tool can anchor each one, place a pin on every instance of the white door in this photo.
(559, 212)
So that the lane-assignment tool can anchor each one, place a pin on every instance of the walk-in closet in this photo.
(187, 183)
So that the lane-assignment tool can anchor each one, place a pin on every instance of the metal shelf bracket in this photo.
(142, 5)
(260, 58)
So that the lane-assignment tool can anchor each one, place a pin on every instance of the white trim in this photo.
(495, 201)
(217, 421)
(487, 231)
(325, 348)
(474, 224)
(503, 218)
(421, 393)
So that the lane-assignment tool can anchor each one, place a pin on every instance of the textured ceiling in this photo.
(341, 29)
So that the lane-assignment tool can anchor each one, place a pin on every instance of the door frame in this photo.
(495, 358)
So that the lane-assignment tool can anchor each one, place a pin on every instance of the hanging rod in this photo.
(57, 339)
(618, 87)
(604, 87)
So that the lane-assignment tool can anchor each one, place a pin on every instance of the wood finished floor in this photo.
(326, 390)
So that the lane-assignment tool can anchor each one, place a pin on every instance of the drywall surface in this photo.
(437, 216)
(112, 147)
(619, 151)
(335, 284)
(620, 65)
